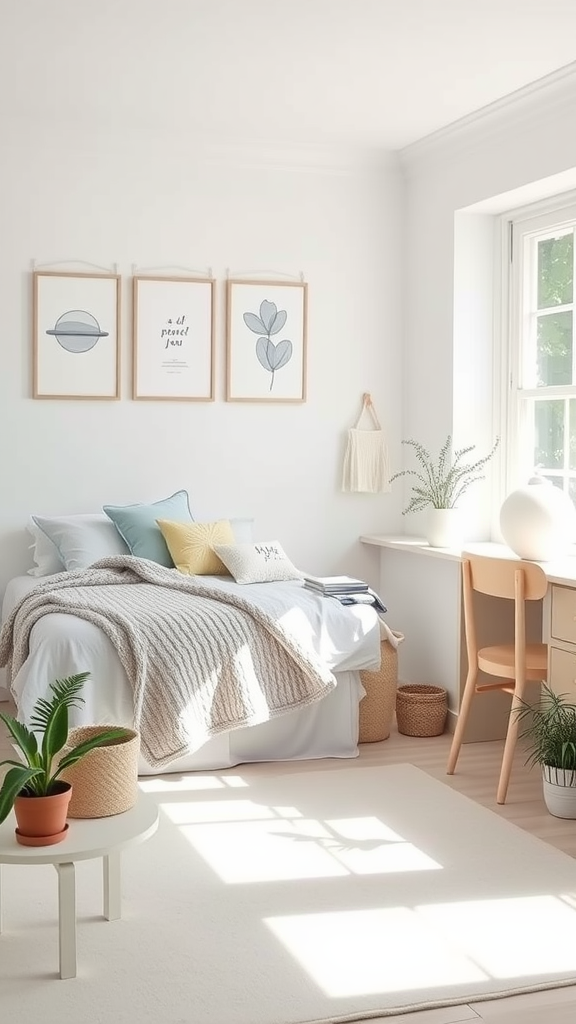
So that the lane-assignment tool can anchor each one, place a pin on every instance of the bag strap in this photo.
(368, 406)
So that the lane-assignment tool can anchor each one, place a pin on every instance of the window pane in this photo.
(554, 348)
(555, 271)
(572, 414)
(549, 434)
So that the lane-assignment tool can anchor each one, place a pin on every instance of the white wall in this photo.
(113, 196)
(483, 163)
(454, 180)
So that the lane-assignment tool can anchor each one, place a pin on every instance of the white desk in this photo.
(87, 838)
(421, 586)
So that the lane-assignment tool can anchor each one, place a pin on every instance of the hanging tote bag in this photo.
(366, 463)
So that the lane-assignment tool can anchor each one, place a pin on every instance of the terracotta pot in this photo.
(41, 820)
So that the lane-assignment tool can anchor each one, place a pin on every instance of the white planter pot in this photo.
(559, 791)
(443, 528)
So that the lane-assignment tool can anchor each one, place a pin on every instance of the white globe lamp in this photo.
(538, 521)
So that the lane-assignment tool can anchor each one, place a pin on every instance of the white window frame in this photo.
(517, 227)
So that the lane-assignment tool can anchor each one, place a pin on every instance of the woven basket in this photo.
(105, 780)
(421, 710)
(377, 707)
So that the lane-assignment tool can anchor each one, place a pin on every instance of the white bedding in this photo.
(63, 644)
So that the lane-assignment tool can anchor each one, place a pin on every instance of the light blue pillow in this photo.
(137, 525)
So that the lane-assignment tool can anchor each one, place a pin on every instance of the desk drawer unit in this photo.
(563, 672)
(562, 649)
(563, 618)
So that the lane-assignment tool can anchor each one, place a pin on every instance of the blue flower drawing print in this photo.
(266, 341)
(272, 355)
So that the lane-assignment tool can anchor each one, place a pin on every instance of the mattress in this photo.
(62, 645)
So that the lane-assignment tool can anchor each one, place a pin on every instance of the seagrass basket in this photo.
(105, 780)
(421, 710)
(377, 706)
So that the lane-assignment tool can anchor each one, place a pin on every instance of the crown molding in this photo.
(539, 100)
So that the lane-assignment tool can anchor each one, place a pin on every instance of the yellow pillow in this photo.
(190, 545)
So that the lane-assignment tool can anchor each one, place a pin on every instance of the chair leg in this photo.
(469, 691)
(509, 745)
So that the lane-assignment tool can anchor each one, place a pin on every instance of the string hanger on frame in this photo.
(166, 270)
(238, 274)
(113, 269)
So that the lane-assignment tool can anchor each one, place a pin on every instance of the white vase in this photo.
(443, 528)
(538, 521)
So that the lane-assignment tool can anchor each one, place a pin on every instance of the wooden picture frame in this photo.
(76, 332)
(266, 341)
(173, 339)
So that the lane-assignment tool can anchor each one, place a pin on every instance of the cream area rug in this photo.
(332, 895)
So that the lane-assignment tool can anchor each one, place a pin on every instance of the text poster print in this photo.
(174, 338)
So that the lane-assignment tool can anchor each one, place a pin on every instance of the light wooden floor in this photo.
(476, 777)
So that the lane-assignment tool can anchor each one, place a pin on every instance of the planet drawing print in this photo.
(77, 331)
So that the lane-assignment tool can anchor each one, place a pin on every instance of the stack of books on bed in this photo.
(335, 584)
(346, 589)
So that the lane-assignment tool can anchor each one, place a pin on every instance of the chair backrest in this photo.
(497, 576)
(509, 578)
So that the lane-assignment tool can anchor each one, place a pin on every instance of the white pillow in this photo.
(81, 540)
(45, 553)
(263, 562)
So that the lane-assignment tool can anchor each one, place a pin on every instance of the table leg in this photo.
(112, 886)
(67, 919)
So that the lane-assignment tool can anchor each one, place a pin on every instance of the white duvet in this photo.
(346, 639)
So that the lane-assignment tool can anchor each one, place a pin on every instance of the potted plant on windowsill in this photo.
(550, 729)
(33, 785)
(440, 483)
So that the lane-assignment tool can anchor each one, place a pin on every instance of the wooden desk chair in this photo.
(515, 663)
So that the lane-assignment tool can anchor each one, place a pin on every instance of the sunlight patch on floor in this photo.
(245, 842)
(188, 784)
(365, 952)
(498, 933)
(221, 811)
(393, 949)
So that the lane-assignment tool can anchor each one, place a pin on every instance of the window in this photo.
(540, 370)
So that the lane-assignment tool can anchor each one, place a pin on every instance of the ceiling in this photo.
(366, 73)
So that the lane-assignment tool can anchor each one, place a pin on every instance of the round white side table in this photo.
(87, 838)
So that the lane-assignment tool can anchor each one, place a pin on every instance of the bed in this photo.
(54, 637)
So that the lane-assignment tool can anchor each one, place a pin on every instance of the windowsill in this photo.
(561, 570)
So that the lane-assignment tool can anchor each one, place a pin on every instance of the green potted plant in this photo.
(33, 785)
(549, 727)
(440, 482)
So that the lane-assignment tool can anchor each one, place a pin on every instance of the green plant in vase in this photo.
(440, 481)
(38, 772)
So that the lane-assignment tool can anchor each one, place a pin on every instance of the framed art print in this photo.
(173, 338)
(76, 323)
(266, 341)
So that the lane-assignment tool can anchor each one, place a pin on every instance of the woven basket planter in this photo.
(377, 707)
(105, 780)
(421, 710)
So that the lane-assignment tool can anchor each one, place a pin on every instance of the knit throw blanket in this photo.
(201, 661)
